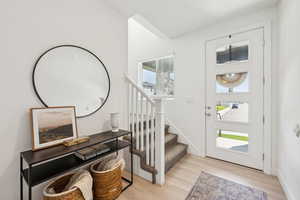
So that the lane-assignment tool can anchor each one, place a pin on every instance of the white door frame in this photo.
(267, 100)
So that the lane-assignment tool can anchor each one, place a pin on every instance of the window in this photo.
(157, 76)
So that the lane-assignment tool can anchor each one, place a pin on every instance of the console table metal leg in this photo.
(131, 157)
(130, 182)
(29, 183)
(21, 178)
(117, 145)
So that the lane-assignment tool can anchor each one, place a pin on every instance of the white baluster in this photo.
(129, 106)
(142, 123)
(152, 137)
(132, 111)
(137, 138)
(147, 134)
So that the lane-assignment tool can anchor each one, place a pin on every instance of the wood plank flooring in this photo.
(181, 178)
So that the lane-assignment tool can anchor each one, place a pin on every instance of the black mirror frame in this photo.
(69, 45)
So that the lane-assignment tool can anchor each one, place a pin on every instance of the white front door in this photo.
(234, 99)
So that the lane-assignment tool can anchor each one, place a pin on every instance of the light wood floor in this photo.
(181, 178)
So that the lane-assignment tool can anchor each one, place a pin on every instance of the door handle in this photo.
(208, 107)
(208, 114)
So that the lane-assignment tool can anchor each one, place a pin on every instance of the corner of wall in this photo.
(284, 184)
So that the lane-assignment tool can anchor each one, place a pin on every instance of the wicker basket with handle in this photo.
(58, 185)
(107, 185)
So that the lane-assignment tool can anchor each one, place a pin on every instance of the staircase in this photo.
(157, 148)
(174, 150)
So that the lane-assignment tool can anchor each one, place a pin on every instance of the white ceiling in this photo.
(176, 17)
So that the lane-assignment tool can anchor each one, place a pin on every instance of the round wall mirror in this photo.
(69, 75)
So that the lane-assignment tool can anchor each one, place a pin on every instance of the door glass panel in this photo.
(237, 52)
(232, 140)
(232, 111)
(232, 83)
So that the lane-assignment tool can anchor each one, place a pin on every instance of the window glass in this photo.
(158, 76)
(165, 76)
(149, 77)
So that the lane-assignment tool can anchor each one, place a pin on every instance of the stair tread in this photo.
(169, 137)
(167, 126)
(173, 151)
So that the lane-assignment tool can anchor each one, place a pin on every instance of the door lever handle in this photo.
(208, 114)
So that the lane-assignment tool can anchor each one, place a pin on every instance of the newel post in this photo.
(160, 140)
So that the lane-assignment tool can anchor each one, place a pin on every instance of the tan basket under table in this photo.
(107, 185)
(59, 185)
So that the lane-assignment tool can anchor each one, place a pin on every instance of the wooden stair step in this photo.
(167, 128)
(173, 154)
(174, 151)
(170, 139)
(138, 125)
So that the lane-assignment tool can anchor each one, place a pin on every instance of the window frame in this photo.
(157, 59)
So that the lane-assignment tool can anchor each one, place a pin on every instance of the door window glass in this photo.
(237, 52)
(234, 111)
(232, 82)
(232, 140)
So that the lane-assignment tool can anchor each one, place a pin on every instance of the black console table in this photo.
(46, 164)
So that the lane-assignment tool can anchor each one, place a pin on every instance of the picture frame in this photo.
(52, 126)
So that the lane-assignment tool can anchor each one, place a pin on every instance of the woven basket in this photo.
(59, 185)
(107, 185)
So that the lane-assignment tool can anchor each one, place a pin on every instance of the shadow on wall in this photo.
(11, 165)
(106, 125)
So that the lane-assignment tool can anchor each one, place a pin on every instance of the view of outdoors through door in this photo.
(234, 111)
(234, 99)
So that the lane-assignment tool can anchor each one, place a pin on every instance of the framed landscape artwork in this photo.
(52, 126)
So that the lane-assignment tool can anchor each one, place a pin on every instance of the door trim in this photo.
(267, 87)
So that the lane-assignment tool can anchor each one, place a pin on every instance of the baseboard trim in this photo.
(139, 171)
(283, 182)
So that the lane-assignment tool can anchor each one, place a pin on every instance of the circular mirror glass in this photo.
(69, 75)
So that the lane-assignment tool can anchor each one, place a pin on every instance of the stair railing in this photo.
(146, 121)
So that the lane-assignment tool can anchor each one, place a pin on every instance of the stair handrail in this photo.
(156, 154)
(140, 89)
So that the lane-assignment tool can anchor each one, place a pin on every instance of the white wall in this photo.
(144, 45)
(289, 96)
(188, 108)
(27, 29)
